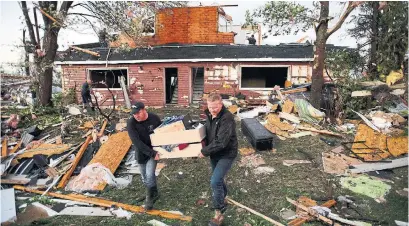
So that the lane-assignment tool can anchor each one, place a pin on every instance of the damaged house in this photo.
(191, 51)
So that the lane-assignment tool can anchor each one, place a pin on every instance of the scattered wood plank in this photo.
(293, 162)
(254, 212)
(369, 123)
(85, 211)
(301, 134)
(108, 203)
(44, 149)
(86, 51)
(320, 131)
(368, 167)
(233, 109)
(15, 179)
(311, 212)
(4, 150)
(16, 147)
(361, 93)
(300, 221)
(104, 125)
(289, 117)
(123, 86)
(77, 159)
(298, 90)
(120, 142)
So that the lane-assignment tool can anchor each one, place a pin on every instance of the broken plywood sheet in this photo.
(45, 149)
(112, 152)
(288, 106)
(372, 146)
(274, 119)
(398, 145)
(338, 164)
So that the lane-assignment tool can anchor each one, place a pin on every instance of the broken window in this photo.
(224, 24)
(263, 77)
(109, 76)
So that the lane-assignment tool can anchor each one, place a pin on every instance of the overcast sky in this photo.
(12, 24)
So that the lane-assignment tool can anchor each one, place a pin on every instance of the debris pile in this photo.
(82, 155)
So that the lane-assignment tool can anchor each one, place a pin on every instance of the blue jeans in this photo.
(220, 167)
(148, 173)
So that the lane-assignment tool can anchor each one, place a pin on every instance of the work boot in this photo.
(155, 194)
(149, 199)
(217, 219)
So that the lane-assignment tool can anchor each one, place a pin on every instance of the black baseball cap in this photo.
(136, 107)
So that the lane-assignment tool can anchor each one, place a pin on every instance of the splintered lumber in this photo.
(298, 90)
(123, 86)
(288, 106)
(310, 211)
(108, 203)
(254, 212)
(368, 167)
(299, 221)
(45, 149)
(362, 93)
(4, 147)
(86, 51)
(77, 159)
(289, 117)
(104, 125)
(16, 147)
(320, 131)
(15, 179)
(111, 153)
(369, 144)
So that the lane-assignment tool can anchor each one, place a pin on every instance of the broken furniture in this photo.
(259, 137)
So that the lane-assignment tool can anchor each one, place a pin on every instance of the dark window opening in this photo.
(263, 77)
(171, 75)
(110, 77)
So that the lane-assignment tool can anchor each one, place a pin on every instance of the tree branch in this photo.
(28, 22)
(84, 15)
(351, 6)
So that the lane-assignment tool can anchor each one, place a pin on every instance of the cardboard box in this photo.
(193, 150)
(179, 137)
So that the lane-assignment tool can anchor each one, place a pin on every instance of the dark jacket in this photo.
(221, 138)
(140, 132)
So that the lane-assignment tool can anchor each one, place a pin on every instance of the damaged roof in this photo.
(191, 53)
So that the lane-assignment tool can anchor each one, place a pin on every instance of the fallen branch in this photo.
(97, 104)
(50, 17)
(254, 212)
(108, 204)
(320, 131)
(86, 51)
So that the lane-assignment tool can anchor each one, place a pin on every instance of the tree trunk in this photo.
(319, 56)
(45, 65)
(372, 63)
(26, 58)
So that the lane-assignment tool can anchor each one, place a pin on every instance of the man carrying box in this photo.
(140, 126)
(221, 146)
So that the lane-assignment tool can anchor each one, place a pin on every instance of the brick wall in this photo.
(188, 25)
(146, 81)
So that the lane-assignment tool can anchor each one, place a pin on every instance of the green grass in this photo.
(265, 193)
